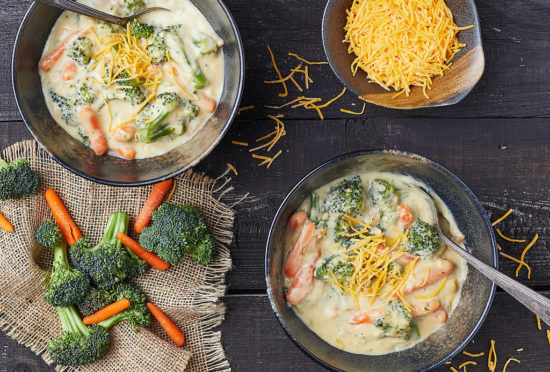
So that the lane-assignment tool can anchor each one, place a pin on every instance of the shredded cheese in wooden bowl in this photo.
(402, 43)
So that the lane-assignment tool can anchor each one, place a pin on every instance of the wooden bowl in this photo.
(453, 86)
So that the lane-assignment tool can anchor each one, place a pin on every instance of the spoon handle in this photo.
(86, 10)
(534, 301)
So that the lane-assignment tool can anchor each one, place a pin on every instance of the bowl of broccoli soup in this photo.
(358, 276)
(129, 105)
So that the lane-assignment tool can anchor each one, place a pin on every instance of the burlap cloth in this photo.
(188, 293)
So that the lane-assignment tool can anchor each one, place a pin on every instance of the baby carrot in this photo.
(149, 257)
(153, 201)
(107, 312)
(5, 224)
(63, 218)
(173, 331)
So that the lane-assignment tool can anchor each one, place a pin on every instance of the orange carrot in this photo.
(151, 258)
(69, 71)
(153, 201)
(5, 224)
(66, 224)
(173, 331)
(127, 152)
(107, 312)
(94, 130)
(52, 57)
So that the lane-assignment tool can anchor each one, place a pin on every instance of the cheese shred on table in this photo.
(402, 43)
(508, 361)
(492, 357)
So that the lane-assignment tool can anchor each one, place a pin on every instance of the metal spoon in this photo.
(73, 6)
(532, 300)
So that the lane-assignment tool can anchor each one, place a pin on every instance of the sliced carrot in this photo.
(206, 103)
(297, 220)
(441, 315)
(149, 257)
(49, 60)
(66, 224)
(158, 193)
(301, 285)
(424, 308)
(405, 215)
(107, 312)
(367, 316)
(69, 71)
(127, 152)
(171, 329)
(293, 261)
(440, 270)
(93, 128)
(5, 224)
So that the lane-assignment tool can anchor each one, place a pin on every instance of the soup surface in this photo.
(133, 92)
(366, 270)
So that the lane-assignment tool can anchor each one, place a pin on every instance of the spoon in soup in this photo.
(532, 300)
(73, 6)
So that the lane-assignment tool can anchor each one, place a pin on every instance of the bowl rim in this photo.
(448, 102)
(205, 153)
(399, 153)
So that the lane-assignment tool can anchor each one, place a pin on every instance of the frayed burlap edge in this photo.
(207, 298)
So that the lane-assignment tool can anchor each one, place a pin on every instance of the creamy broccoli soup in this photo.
(365, 268)
(135, 91)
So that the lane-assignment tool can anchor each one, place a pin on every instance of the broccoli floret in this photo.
(106, 28)
(157, 49)
(423, 239)
(182, 57)
(107, 264)
(190, 110)
(17, 179)
(342, 228)
(137, 314)
(80, 50)
(396, 321)
(78, 344)
(341, 269)
(134, 5)
(382, 195)
(134, 95)
(85, 94)
(65, 286)
(140, 30)
(95, 299)
(177, 230)
(164, 104)
(206, 43)
(65, 105)
(345, 198)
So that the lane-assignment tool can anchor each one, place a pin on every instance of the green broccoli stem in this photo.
(3, 164)
(60, 257)
(71, 321)
(115, 319)
(118, 222)
(154, 130)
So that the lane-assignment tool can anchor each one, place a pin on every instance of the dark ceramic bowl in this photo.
(80, 159)
(448, 89)
(477, 291)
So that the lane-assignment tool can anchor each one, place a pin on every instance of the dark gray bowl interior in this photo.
(446, 90)
(80, 159)
(477, 292)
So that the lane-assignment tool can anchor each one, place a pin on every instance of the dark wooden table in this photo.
(497, 140)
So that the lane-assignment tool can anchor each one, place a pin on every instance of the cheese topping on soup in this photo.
(366, 270)
(135, 91)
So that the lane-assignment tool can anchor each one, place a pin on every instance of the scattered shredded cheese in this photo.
(233, 169)
(453, 369)
(492, 357)
(509, 239)
(508, 361)
(425, 297)
(521, 263)
(548, 335)
(467, 363)
(285, 93)
(522, 258)
(502, 218)
(171, 191)
(538, 323)
(402, 44)
(310, 103)
(241, 109)
(473, 355)
(239, 143)
(305, 60)
(276, 134)
(353, 112)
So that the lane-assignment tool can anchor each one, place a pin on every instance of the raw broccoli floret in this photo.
(423, 239)
(341, 269)
(78, 344)
(182, 57)
(178, 230)
(95, 299)
(140, 30)
(65, 286)
(17, 179)
(107, 264)
(162, 106)
(134, 5)
(65, 105)
(157, 49)
(80, 50)
(396, 321)
(345, 198)
(205, 43)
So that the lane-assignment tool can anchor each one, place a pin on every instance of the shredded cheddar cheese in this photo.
(453, 369)
(241, 109)
(492, 357)
(548, 335)
(402, 43)
(353, 112)
(239, 143)
(285, 93)
(502, 218)
(467, 363)
(522, 258)
(305, 60)
(521, 263)
(509, 239)
(508, 361)
(538, 323)
(276, 134)
(438, 289)
(233, 169)
(473, 355)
